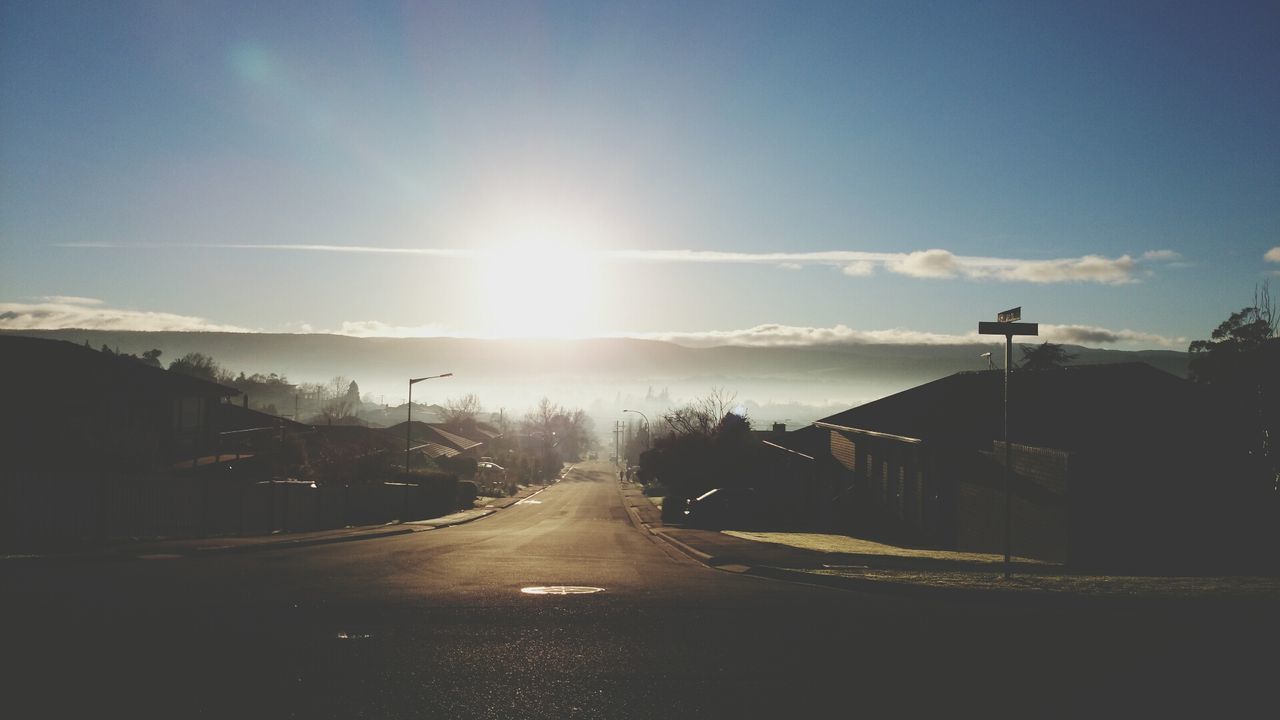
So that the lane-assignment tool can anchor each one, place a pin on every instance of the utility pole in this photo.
(617, 438)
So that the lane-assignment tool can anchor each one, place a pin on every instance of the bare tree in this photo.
(338, 411)
(540, 420)
(702, 416)
(462, 410)
(1266, 307)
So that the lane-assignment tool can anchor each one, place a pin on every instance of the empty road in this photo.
(435, 624)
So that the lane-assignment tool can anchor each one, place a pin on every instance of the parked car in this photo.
(492, 479)
(725, 508)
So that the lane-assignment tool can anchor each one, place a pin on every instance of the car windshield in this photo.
(648, 359)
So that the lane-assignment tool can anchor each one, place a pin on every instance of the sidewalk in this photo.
(165, 549)
(853, 563)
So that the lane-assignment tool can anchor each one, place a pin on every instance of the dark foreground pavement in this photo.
(434, 624)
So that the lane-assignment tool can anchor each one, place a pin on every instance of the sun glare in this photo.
(540, 286)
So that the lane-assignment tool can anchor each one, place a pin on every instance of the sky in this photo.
(743, 173)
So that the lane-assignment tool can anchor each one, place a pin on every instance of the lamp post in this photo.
(408, 426)
(648, 437)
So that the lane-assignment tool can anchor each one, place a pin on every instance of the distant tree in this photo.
(562, 434)
(710, 445)
(338, 411)
(1232, 351)
(1240, 362)
(196, 365)
(1045, 356)
(152, 358)
(462, 411)
(702, 416)
(540, 421)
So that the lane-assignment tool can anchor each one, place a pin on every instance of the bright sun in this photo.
(540, 287)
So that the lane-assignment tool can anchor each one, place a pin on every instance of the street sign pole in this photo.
(1006, 324)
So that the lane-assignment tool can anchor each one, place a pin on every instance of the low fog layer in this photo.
(795, 385)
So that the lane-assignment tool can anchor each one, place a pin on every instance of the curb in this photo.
(126, 553)
(308, 542)
(889, 587)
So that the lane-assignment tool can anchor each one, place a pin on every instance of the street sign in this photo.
(1011, 315)
(1008, 328)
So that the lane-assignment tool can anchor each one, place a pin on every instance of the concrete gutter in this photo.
(208, 547)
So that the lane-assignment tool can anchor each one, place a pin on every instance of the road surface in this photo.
(435, 624)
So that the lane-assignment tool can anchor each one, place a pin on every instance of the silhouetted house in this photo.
(353, 453)
(69, 406)
(433, 441)
(244, 431)
(1113, 464)
(466, 446)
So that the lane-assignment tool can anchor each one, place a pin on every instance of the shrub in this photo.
(467, 493)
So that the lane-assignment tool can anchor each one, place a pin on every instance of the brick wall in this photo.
(1038, 509)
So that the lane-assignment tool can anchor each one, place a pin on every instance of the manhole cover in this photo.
(560, 590)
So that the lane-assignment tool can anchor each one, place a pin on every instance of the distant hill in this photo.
(839, 373)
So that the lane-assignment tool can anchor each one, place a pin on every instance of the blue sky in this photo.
(738, 172)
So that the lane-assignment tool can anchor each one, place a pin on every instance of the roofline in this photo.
(787, 449)
(871, 433)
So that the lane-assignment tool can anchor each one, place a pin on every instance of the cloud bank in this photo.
(59, 312)
(774, 335)
(67, 312)
(932, 263)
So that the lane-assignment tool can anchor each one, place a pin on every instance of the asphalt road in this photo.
(434, 624)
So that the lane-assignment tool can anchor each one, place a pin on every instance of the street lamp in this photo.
(408, 426)
(648, 436)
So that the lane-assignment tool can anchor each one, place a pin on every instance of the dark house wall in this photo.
(72, 406)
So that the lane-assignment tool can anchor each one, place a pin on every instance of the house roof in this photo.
(436, 450)
(46, 366)
(458, 441)
(422, 433)
(232, 417)
(1072, 408)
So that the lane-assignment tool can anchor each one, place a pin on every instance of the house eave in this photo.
(869, 433)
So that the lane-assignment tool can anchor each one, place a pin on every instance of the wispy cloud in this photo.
(375, 328)
(68, 300)
(775, 335)
(67, 312)
(933, 263)
(1090, 335)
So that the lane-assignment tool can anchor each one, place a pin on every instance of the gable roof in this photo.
(458, 441)
(1072, 408)
(430, 433)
